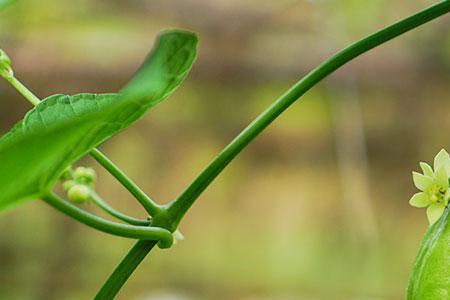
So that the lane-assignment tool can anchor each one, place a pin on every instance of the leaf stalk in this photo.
(162, 235)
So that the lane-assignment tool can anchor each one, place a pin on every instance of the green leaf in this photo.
(61, 129)
(429, 279)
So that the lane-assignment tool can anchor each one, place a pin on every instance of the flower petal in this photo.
(426, 169)
(441, 178)
(421, 181)
(420, 200)
(434, 212)
(442, 159)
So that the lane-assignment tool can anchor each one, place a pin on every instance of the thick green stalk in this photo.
(108, 209)
(181, 204)
(124, 270)
(162, 235)
(150, 206)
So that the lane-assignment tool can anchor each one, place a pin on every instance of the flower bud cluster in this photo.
(78, 183)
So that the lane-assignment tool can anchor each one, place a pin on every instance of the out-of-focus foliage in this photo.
(5, 3)
(313, 244)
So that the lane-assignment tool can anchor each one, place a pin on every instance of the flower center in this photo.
(437, 194)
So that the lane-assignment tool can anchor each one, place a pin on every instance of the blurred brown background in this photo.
(315, 208)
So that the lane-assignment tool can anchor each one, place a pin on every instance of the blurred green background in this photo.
(315, 208)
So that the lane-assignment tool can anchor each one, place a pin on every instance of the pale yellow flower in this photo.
(434, 186)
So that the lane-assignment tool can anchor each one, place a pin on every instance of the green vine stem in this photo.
(162, 235)
(97, 200)
(124, 270)
(183, 202)
(150, 206)
(178, 208)
(22, 89)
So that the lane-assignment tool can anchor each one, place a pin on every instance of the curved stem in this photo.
(162, 235)
(124, 270)
(183, 202)
(23, 90)
(108, 209)
(150, 206)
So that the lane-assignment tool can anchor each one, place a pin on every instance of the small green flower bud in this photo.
(84, 175)
(67, 185)
(5, 65)
(79, 193)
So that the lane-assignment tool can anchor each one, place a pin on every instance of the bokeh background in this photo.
(315, 208)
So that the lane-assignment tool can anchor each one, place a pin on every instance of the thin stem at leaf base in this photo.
(23, 90)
